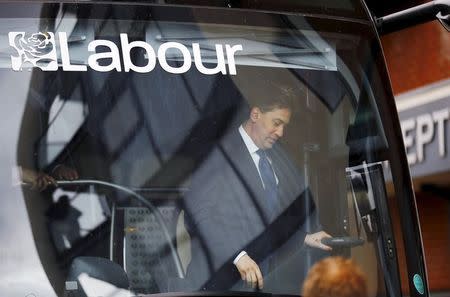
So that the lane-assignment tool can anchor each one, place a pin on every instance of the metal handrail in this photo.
(412, 16)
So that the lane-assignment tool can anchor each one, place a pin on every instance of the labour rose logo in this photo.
(38, 50)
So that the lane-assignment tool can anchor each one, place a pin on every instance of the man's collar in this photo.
(249, 143)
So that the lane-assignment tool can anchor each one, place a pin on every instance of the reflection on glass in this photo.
(272, 163)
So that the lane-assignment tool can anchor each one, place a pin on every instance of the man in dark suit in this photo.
(248, 207)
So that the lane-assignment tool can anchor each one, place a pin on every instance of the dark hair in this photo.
(278, 97)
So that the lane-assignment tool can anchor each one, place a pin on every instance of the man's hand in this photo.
(315, 240)
(38, 180)
(250, 272)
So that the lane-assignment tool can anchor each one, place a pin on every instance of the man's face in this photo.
(268, 126)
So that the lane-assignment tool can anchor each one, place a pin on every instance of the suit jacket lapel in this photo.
(237, 154)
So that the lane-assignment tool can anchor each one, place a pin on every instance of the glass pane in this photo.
(178, 149)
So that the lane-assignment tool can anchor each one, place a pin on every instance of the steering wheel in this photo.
(146, 203)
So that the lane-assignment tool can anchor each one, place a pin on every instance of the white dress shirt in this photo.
(252, 149)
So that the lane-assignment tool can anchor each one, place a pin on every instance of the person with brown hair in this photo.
(335, 277)
(248, 206)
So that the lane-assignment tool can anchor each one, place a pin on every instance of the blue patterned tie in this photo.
(269, 180)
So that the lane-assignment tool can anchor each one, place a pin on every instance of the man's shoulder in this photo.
(219, 155)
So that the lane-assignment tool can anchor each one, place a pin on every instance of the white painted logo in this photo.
(40, 50)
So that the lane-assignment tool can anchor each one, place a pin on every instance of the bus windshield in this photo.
(159, 148)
